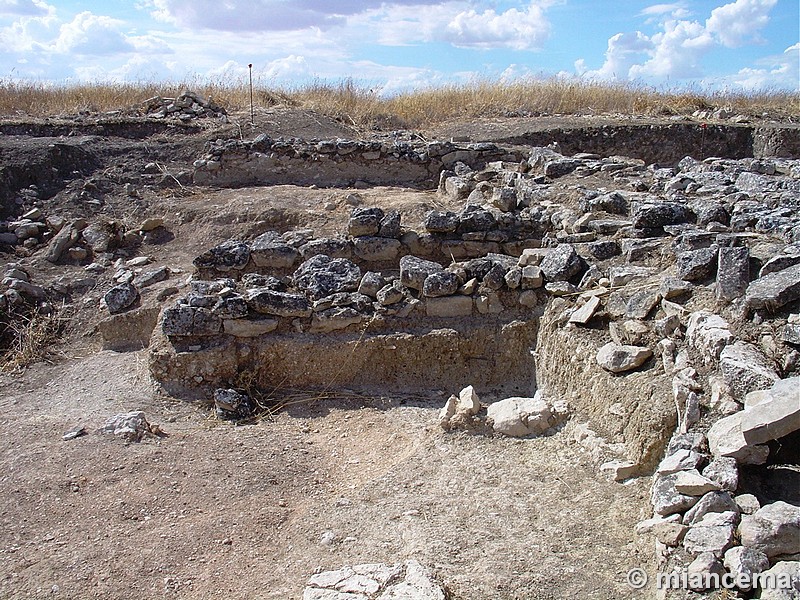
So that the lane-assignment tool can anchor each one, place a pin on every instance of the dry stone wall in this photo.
(664, 310)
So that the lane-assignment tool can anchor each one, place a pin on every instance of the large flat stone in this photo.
(776, 417)
(774, 290)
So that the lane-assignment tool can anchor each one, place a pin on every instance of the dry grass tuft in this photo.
(29, 337)
(358, 105)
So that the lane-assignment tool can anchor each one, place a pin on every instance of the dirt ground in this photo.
(216, 510)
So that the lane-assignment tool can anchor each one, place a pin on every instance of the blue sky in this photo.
(396, 45)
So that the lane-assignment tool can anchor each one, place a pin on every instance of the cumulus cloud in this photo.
(25, 8)
(782, 71)
(264, 15)
(91, 34)
(460, 25)
(677, 50)
(517, 29)
(676, 11)
(740, 22)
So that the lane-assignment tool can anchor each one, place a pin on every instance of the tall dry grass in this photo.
(358, 105)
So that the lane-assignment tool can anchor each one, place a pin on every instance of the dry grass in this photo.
(26, 338)
(358, 105)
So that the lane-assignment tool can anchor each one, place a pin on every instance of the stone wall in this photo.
(265, 161)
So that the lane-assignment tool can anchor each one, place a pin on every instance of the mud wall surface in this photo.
(668, 144)
(483, 353)
(335, 163)
(635, 409)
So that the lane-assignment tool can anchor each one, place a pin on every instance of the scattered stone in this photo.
(322, 276)
(120, 297)
(724, 472)
(74, 433)
(692, 483)
(133, 426)
(520, 417)
(774, 290)
(725, 438)
(744, 562)
(712, 502)
(713, 533)
(414, 271)
(696, 265)
(733, 273)
(584, 314)
(619, 359)
(666, 500)
(405, 581)
(774, 529)
(704, 571)
(562, 263)
(786, 577)
(745, 369)
(231, 405)
(620, 470)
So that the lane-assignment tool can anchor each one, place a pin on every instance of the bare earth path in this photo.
(214, 510)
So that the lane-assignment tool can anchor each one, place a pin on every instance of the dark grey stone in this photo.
(390, 225)
(377, 249)
(441, 222)
(227, 256)
(562, 263)
(282, 304)
(231, 307)
(365, 221)
(148, 278)
(270, 251)
(442, 283)
(371, 282)
(232, 405)
(475, 218)
(120, 297)
(613, 202)
(696, 265)
(604, 250)
(414, 271)
(774, 290)
(733, 272)
(322, 276)
(658, 215)
(333, 247)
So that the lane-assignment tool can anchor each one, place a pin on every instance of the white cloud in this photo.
(739, 22)
(288, 68)
(92, 34)
(623, 52)
(265, 15)
(458, 24)
(26, 8)
(678, 49)
(676, 11)
(517, 29)
(779, 72)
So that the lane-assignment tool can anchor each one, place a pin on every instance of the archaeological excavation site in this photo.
(516, 358)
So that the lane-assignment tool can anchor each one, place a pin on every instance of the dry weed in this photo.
(29, 337)
(363, 107)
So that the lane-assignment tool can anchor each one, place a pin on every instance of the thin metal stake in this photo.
(252, 110)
